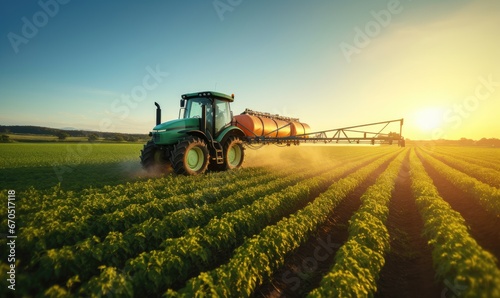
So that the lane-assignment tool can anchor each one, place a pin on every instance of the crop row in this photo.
(203, 247)
(117, 247)
(482, 153)
(484, 174)
(488, 196)
(59, 205)
(81, 223)
(458, 258)
(358, 261)
(95, 200)
(85, 257)
(475, 159)
(261, 255)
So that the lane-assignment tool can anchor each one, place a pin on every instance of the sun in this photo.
(428, 119)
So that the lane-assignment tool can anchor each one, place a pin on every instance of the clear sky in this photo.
(100, 65)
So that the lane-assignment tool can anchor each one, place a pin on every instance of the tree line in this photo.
(63, 134)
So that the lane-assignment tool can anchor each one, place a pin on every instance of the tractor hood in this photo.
(171, 132)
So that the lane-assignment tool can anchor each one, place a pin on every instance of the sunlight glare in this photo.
(428, 118)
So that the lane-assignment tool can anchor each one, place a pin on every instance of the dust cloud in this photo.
(288, 156)
(133, 170)
(269, 156)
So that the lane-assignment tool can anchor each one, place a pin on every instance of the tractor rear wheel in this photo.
(153, 158)
(190, 157)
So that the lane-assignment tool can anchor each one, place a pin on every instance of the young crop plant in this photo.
(199, 248)
(235, 233)
(258, 257)
(457, 257)
(488, 196)
(359, 261)
(116, 248)
(484, 174)
(97, 213)
(475, 159)
(83, 257)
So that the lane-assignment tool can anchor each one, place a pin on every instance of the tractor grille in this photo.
(156, 137)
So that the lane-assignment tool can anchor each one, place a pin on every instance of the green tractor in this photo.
(203, 137)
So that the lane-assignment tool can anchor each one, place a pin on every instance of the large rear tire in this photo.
(190, 157)
(153, 159)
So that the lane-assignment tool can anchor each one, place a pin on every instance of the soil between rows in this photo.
(224, 255)
(408, 271)
(483, 224)
(301, 274)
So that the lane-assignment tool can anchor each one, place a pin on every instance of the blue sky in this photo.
(100, 65)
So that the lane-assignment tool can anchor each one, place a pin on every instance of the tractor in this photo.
(202, 138)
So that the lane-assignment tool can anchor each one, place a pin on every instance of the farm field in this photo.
(74, 166)
(302, 221)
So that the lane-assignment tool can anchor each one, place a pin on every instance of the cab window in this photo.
(223, 115)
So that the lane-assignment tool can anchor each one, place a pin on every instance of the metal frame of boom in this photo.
(339, 135)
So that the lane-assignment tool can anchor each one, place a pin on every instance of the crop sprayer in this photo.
(208, 136)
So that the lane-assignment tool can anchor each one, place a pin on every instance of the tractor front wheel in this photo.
(153, 159)
(234, 153)
(190, 157)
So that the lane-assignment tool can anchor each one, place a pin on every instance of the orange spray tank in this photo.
(266, 125)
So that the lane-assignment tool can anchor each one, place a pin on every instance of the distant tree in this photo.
(466, 142)
(5, 139)
(132, 139)
(488, 142)
(118, 138)
(93, 137)
(62, 135)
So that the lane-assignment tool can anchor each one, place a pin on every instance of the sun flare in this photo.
(428, 119)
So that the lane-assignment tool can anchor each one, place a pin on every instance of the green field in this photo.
(321, 221)
(73, 165)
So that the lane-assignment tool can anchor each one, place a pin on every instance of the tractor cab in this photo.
(211, 107)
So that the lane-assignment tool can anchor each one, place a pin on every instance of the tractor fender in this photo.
(230, 131)
(199, 134)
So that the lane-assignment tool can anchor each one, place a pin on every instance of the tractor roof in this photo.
(213, 94)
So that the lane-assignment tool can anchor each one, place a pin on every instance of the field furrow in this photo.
(358, 261)
(476, 160)
(304, 268)
(202, 248)
(488, 196)
(80, 224)
(486, 154)
(408, 268)
(358, 221)
(483, 225)
(259, 256)
(483, 174)
(459, 260)
(117, 247)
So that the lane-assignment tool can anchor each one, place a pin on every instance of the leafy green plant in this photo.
(488, 196)
(456, 255)
(359, 261)
(257, 258)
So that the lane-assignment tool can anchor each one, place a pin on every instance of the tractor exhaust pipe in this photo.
(158, 113)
